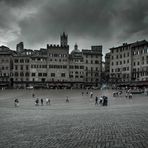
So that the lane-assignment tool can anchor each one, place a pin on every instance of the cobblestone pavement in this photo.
(78, 124)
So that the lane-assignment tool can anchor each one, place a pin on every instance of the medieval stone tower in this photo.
(64, 39)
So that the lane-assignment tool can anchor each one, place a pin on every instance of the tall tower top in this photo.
(20, 47)
(64, 39)
(75, 47)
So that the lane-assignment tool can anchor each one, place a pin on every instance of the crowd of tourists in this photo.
(98, 100)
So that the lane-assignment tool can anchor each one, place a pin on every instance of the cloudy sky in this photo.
(87, 22)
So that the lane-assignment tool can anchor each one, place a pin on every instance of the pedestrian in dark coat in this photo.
(96, 101)
(42, 102)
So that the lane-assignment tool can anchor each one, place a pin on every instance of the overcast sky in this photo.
(87, 22)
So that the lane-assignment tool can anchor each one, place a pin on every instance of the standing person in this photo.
(33, 95)
(42, 102)
(37, 102)
(16, 102)
(126, 95)
(47, 101)
(67, 100)
(91, 94)
(130, 96)
(101, 100)
(82, 93)
(96, 101)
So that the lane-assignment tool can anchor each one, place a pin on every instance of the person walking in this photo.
(33, 95)
(126, 95)
(47, 101)
(67, 100)
(96, 100)
(130, 96)
(42, 102)
(91, 94)
(16, 102)
(82, 93)
(37, 102)
(101, 100)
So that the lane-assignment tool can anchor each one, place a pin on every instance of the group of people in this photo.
(103, 100)
(128, 94)
(42, 101)
(118, 93)
(91, 94)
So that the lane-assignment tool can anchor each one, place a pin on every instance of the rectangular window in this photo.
(52, 74)
(64, 66)
(96, 62)
(76, 67)
(71, 76)
(33, 74)
(62, 74)
(21, 67)
(21, 60)
(81, 67)
(16, 60)
(27, 74)
(15, 67)
(27, 60)
(45, 74)
(16, 74)
(27, 67)
(21, 74)
(40, 74)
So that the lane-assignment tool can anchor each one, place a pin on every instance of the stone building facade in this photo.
(129, 63)
(6, 66)
(52, 66)
(92, 65)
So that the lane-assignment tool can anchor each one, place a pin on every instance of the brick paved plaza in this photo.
(77, 124)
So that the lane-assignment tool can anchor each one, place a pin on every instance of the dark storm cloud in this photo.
(101, 21)
(134, 18)
(14, 3)
(80, 18)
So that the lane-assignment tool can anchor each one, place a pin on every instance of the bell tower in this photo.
(64, 39)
